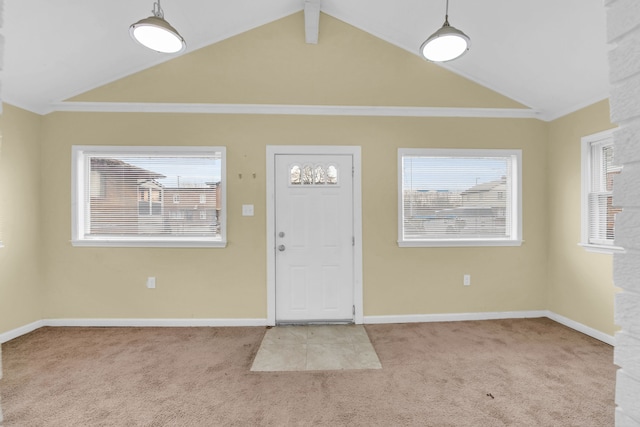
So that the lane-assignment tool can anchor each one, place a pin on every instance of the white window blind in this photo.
(128, 196)
(598, 179)
(459, 197)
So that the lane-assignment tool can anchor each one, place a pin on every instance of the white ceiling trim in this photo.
(307, 110)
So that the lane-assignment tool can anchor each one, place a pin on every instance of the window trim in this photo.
(78, 173)
(516, 204)
(585, 170)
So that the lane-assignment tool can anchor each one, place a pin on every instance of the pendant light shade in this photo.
(157, 34)
(446, 44)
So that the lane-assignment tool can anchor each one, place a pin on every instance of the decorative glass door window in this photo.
(315, 175)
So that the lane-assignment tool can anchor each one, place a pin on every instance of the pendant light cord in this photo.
(446, 15)
(158, 13)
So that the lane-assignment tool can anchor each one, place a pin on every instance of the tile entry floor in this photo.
(316, 348)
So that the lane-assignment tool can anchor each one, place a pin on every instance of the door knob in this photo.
(281, 248)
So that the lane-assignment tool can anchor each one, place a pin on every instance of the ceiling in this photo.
(549, 55)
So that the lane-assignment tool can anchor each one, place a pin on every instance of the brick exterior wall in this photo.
(623, 33)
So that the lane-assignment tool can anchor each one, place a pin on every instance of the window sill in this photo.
(457, 243)
(149, 244)
(601, 249)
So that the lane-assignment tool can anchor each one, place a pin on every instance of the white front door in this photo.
(314, 238)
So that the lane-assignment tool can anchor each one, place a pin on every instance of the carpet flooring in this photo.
(525, 372)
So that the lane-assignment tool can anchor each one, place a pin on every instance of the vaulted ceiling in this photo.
(549, 55)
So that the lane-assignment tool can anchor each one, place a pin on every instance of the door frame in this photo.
(354, 151)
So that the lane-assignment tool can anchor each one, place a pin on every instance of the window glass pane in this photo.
(457, 197)
(162, 197)
(319, 176)
(597, 217)
(601, 212)
(295, 175)
(610, 169)
(307, 174)
(332, 175)
(313, 175)
(610, 219)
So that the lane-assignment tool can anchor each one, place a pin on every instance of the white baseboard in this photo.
(413, 318)
(22, 330)
(167, 323)
(454, 317)
(587, 330)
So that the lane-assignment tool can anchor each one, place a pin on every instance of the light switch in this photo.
(247, 210)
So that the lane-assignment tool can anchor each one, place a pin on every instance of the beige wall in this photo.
(20, 278)
(231, 282)
(273, 65)
(429, 280)
(580, 282)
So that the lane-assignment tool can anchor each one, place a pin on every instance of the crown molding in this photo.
(307, 110)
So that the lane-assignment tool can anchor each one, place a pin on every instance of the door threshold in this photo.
(314, 322)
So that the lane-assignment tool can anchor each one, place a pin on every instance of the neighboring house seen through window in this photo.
(148, 196)
(458, 197)
(598, 210)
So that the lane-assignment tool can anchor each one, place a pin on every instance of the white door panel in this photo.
(314, 235)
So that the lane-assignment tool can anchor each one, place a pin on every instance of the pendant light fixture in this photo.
(156, 34)
(446, 44)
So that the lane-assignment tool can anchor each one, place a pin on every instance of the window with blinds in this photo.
(598, 172)
(148, 196)
(459, 197)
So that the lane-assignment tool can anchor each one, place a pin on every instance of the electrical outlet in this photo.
(151, 282)
(467, 280)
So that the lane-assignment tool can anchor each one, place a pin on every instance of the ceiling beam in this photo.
(311, 20)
